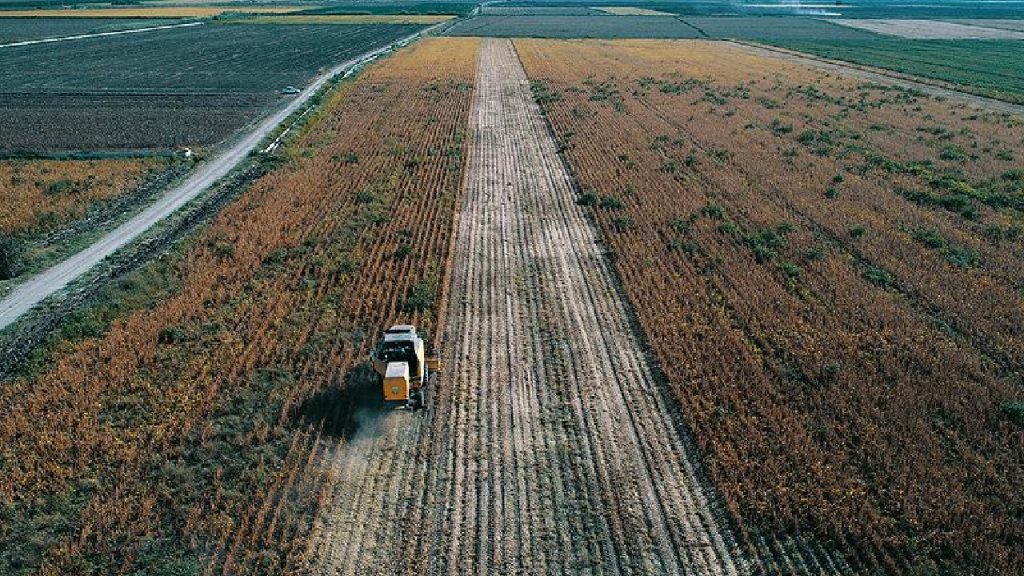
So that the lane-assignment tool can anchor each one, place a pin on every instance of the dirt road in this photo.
(549, 447)
(882, 77)
(51, 281)
(98, 35)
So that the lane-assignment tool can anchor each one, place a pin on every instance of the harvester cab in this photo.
(404, 369)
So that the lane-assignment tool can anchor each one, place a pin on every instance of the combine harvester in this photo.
(404, 369)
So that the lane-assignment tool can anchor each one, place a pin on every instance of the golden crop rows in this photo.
(279, 300)
(829, 273)
(46, 193)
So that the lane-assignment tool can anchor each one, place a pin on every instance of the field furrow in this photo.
(546, 362)
(550, 447)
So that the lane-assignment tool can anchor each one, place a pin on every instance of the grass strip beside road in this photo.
(992, 68)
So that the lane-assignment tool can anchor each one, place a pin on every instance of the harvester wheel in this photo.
(415, 401)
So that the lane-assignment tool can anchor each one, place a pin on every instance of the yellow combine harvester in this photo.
(403, 366)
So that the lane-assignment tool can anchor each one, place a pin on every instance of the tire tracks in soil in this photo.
(549, 446)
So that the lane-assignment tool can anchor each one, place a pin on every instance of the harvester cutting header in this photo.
(403, 366)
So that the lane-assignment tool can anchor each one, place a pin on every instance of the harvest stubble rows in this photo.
(550, 445)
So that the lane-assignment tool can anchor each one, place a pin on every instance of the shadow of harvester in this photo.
(341, 409)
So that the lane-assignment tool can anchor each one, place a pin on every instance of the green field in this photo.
(992, 68)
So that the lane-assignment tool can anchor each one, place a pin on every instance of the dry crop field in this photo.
(701, 311)
(829, 274)
(51, 206)
(550, 448)
(40, 195)
(200, 448)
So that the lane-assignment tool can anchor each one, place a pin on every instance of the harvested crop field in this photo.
(631, 11)
(773, 28)
(165, 89)
(930, 29)
(208, 447)
(553, 23)
(416, 19)
(828, 272)
(150, 12)
(22, 29)
(492, 10)
(701, 310)
(574, 27)
(397, 7)
(550, 448)
(1017, 25)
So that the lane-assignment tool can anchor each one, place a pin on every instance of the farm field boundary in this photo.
(929, 29)
(53, 280)
(991, 68)
(873, 74)
(98, 35)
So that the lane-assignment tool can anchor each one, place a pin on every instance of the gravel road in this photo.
(549, 447)
(97, 35)
(49, 282)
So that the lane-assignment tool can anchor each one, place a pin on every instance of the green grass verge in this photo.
(993, 68)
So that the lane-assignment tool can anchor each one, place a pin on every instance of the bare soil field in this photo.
(1016, 25)
(773, 28)
(500, 10)
(930, 29)
(631, 11)
(415, 19)
(22, 29)
(168, 88)
(150, 12)
(606, 26)
(549, 447)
